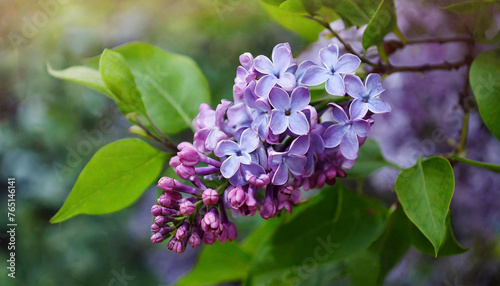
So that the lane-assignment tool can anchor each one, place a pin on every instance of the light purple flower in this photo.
(332, 69)
(238, 153)
(206, 139)
(292, 160)
(261, 111)
(366, 97)
(345, 132)
(287, 111)
(275, 72)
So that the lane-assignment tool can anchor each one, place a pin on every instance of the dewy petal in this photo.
(279, 99)
(264, 65)
(349, 146)
(361, 127)
(335, 85)
(376, 105)
(282, 58)
(373, 85)
(354, 86)
(315, 75)
(333, 135)
(230, 166)
(226, 148)
(329, 56)
(281, 175)
(287, 81)
(249, 141)
(278, 122)
(347, 63)
(338, 113)
(300, 98)
(265, 85)
(357, 109)
(299, 146)
(298, 124)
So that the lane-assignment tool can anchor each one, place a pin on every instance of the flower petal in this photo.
(329, 56)
(333, 135)
(338, 113)
(264, 65)
(226, 148)
(335, 85)
(296, 164)
(249, 96)
(300, 98)
(278, 122)
(347, 63)
(287, 81)
(265, 85)
(349, 146)
(361, 127)
(245, 158)
(298, 124)
(281, 175)
(358, 109)
(354, 86)
(249, 141)
(230, 166)
(302, 69)
(279, 99)
(373, 85)
(282, 58)
(378, 106)
(299, 146)
(315, 75)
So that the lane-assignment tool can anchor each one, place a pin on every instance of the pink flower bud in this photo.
(187, 208)
(210, 197)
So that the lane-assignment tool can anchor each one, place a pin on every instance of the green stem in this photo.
(489, 166)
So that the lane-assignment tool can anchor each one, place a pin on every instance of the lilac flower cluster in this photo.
(267, 145)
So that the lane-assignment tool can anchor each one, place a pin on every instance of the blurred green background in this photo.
(43, 120)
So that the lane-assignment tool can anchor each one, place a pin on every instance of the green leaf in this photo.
(218, 263)
(369, 160)
(450, 245)
(425, 192)
(353, 12)
(82, 75)
(484, 75)
(293, 21)
(172, 85)
(114, 178)
(469, 6)
(382, 23)
(119, 81)
(372, 265)
(333, 226)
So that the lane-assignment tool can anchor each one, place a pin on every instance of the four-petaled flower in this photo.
(287, 112)
(293, 160)
(238, 153)
(345, 132)
(331, 71)
(275, 72)
(366, 97)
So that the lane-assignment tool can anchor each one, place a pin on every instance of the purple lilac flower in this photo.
(365, 97)
(275, 72)
(287, 112)
(345, 132)
(332, 70)
(262, 151)
(237, 153)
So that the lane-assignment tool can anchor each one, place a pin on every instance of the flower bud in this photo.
(155, 227)
(174, 162)
(236, 197)
(185, 171)
(210, 222)
(188, 156)
(231, 231)
(157, 238)
(179, 246)
(187, 208)
(210, 197)
(166, 184)
(195, 240)
(209, 238)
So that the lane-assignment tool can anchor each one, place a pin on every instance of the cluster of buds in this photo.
(263, 149)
